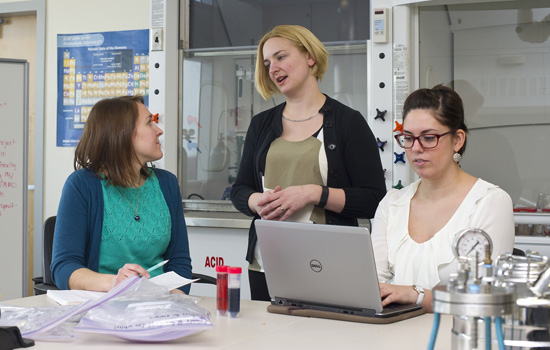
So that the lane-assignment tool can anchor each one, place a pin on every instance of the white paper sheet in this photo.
(73, 297)
(170, 280)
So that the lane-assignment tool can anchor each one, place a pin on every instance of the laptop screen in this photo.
(319, 264)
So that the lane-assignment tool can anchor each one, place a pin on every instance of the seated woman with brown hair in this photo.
(117, 215)
(414, 227)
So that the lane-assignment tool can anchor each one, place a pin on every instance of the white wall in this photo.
(66, 17)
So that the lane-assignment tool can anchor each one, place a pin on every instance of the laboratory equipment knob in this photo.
(398, 127)
(381, 144)
(399, 157)
(381, 114)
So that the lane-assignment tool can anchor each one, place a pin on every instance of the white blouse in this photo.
(402, 261)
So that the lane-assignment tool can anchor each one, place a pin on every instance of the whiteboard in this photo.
(13, 177)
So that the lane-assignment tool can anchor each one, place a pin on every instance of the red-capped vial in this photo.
(234, 290)
(221, 293)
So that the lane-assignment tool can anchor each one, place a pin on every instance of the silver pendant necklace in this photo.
(131, 206)
(300, 120)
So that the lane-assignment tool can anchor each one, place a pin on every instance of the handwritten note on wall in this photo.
(8, 176)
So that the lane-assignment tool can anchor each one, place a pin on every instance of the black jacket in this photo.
(353, 163)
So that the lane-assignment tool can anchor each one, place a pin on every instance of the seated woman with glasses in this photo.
(414, 227)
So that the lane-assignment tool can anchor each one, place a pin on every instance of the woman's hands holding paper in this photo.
(86, 279)
(130, 270)
(257, 201)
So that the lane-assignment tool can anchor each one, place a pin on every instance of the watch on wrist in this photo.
(324, 197)
(420, 292)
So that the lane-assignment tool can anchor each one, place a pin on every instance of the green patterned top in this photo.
(125, 240)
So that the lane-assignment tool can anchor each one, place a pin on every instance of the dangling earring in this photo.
(457, 157)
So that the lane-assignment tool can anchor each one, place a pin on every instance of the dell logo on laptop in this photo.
(315, 265)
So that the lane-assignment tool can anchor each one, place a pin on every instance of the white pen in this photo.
(157, 266)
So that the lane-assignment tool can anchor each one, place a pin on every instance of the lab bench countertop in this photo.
(255, 328)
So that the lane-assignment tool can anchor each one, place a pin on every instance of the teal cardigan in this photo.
(79, 223)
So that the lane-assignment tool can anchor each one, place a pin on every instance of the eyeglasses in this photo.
(427, 141)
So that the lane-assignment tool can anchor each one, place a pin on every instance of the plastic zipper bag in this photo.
(28, 320)
(57, 322)
(139, 302)
(147, 313)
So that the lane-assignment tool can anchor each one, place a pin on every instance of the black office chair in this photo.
(45, 283)
(204, 279)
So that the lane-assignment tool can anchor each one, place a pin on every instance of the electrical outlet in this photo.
(157, 39)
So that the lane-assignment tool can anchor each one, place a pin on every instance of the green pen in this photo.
(156, 266)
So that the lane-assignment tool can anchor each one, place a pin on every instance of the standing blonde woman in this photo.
(309, 159)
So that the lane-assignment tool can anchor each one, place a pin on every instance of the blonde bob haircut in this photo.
(302, 39)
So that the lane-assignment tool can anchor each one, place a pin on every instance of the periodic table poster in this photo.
(94, 66)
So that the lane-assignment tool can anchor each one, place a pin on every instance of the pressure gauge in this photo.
(469, 242)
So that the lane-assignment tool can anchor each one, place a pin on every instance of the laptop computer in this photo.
(322, 267)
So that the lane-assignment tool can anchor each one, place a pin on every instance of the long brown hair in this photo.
(106, 145)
